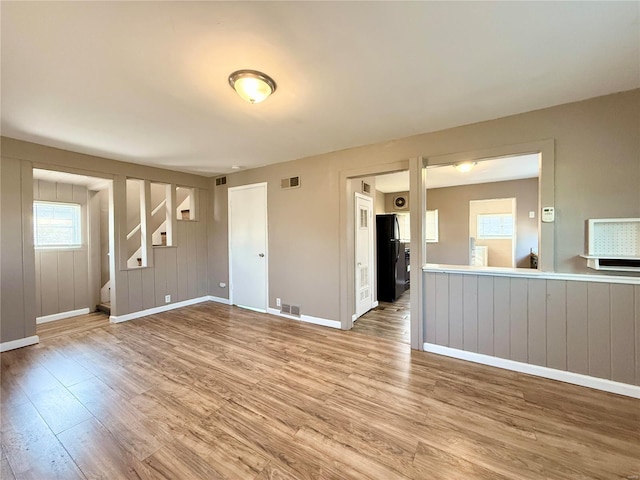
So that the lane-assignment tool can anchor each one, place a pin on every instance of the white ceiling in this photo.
(485, 171)
(146, 82)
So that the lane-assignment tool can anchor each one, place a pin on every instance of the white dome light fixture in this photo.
(251, 85)
(465, 167)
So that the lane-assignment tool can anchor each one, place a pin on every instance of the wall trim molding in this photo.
(307, 319)
(19, 343)
(163, 308)
(225, 301)
(538, 371)
(528, 273)
(62, 315)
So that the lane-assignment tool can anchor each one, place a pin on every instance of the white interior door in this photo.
(248, 246)
(364, 254)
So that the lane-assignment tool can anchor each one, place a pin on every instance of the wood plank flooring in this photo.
(211, 391)
(388, 320)
(82, 323)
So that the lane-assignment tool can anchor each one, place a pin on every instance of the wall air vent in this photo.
(366, 188)
(221, 181)
(295, 310)
(292, 182)
(285, 308)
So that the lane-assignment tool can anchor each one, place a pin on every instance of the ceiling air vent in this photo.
(221, 181)
(292, 182)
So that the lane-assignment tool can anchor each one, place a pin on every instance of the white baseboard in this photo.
(21, 342)
(151, 311)
(307, 318)
(171, 306)
(546, 372)
(62, 315)
(219, 299)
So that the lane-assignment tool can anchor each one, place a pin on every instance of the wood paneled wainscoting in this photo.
(580, 328)
(212, 391)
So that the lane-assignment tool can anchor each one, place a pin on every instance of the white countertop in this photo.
(527, 273)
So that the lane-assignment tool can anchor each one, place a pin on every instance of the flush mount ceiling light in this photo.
(251, 85)
(465, 167)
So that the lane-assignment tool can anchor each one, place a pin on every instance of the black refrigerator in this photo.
(389, 252)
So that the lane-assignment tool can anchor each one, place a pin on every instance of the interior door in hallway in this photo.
(248, 259)
(364, 254)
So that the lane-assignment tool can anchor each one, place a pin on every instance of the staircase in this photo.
(158, 224)
(105, 307)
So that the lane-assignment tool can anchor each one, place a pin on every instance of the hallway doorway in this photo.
(391, 321)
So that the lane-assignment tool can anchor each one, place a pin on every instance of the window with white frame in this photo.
(57, 225)
(495, 225)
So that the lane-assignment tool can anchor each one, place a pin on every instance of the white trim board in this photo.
(62, 315)
(19, 343)
(528, 273)
(166, 308)
(219, 300)
(307, 319)
(162, 308)
(538, 371)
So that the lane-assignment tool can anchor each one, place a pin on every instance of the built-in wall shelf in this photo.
(613, 244)
(618, 264)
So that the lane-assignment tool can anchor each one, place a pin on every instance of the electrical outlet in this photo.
(167, 298)
(532, 214)
(278, 302)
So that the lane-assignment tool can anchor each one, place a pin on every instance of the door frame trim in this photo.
(264, 186)
(371, 249)
(347, 254)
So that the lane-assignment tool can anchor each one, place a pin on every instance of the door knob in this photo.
(261, 254)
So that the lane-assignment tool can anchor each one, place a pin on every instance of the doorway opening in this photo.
(72, 243)
(486, 216)
(492, 229)
(389, 316)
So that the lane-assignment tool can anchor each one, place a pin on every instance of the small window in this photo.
(431, 226)
(495, 225)
(56, 225)
(364, 218)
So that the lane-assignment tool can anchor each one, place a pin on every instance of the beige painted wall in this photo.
(103, 201)
(577, 326)
(17, 269)
(597, 174)
(453, 218)
(380, 206)
(180, 271)
(62, 275)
